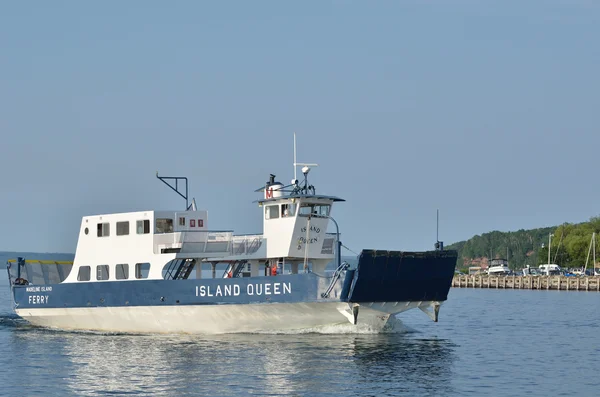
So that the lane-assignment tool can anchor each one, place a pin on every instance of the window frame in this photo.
(269, 213)
(127, 228)
(144, 223)
(139, 270)
(312, 207)
(89, 273)
(103, 229)
(124, 271)
(291, 207)
(169, 223)
(107, 268)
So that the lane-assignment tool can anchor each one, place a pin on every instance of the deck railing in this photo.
(195, 241)
(246, 244)
(38, 272)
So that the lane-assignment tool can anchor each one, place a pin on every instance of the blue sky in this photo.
(487, 110)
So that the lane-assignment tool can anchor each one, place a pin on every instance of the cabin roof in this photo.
(300, 196)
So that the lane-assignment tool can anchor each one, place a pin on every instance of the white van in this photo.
(550, 270)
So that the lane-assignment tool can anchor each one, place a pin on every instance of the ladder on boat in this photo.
(235, 268)
(180, 269)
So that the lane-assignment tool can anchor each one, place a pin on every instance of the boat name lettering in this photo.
(38, 299)
(303, 240)
(251, 289)
(312, 229)
(38, 288)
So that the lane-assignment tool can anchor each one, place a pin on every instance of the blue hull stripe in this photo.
(279, 289)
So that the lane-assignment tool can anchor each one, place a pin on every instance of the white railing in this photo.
(194, 241)
(246, 244)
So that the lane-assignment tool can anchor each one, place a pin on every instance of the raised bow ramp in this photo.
(398, 276)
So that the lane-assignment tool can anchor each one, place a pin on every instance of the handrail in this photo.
(335, 278)
(195, 231)
(42, 262)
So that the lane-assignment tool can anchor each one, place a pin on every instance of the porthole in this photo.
(86, 231)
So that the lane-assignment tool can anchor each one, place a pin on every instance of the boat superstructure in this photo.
(166, 271)
(498, 267)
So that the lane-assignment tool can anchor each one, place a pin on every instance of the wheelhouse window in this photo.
(84, 273)
(102, 272)
(122, 271)
(272, 211)
(181, 221)
(321, 210)
(143, 226)
(142, 270)
(123, 228)
(288, 210)
(103, 229)
(164, 225)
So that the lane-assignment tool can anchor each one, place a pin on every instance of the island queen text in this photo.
(250, 289)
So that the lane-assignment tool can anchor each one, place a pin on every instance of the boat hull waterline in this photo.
(234, 318)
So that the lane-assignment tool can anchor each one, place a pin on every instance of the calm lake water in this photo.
(487, 343)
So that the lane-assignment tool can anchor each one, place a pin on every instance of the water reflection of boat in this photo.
(255, 364)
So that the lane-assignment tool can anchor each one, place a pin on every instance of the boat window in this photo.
(181, 221)
(142, 270)
(200, 222)
(164, 225)
(272, 211)
(123, 228)
(143, 226)
(84, 273)
(122, 271)
(103, 229)
(321, 210)
(288, 210)
(102, 272)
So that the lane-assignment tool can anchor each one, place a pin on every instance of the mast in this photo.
(594, 242)
(295, 175)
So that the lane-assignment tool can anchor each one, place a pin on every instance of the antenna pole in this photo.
(295, 156)
(437, 228)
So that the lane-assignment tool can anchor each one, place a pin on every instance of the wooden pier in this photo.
(560, 283)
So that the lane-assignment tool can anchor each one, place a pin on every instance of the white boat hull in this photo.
(216, 319)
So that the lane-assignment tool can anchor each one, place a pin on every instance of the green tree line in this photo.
(569, 246)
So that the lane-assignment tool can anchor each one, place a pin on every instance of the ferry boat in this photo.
(167, 272)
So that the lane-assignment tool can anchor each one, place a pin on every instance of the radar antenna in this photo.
(305, 171)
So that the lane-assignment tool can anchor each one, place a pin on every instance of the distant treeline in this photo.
(569, 246)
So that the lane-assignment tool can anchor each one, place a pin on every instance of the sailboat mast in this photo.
(594, 250)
